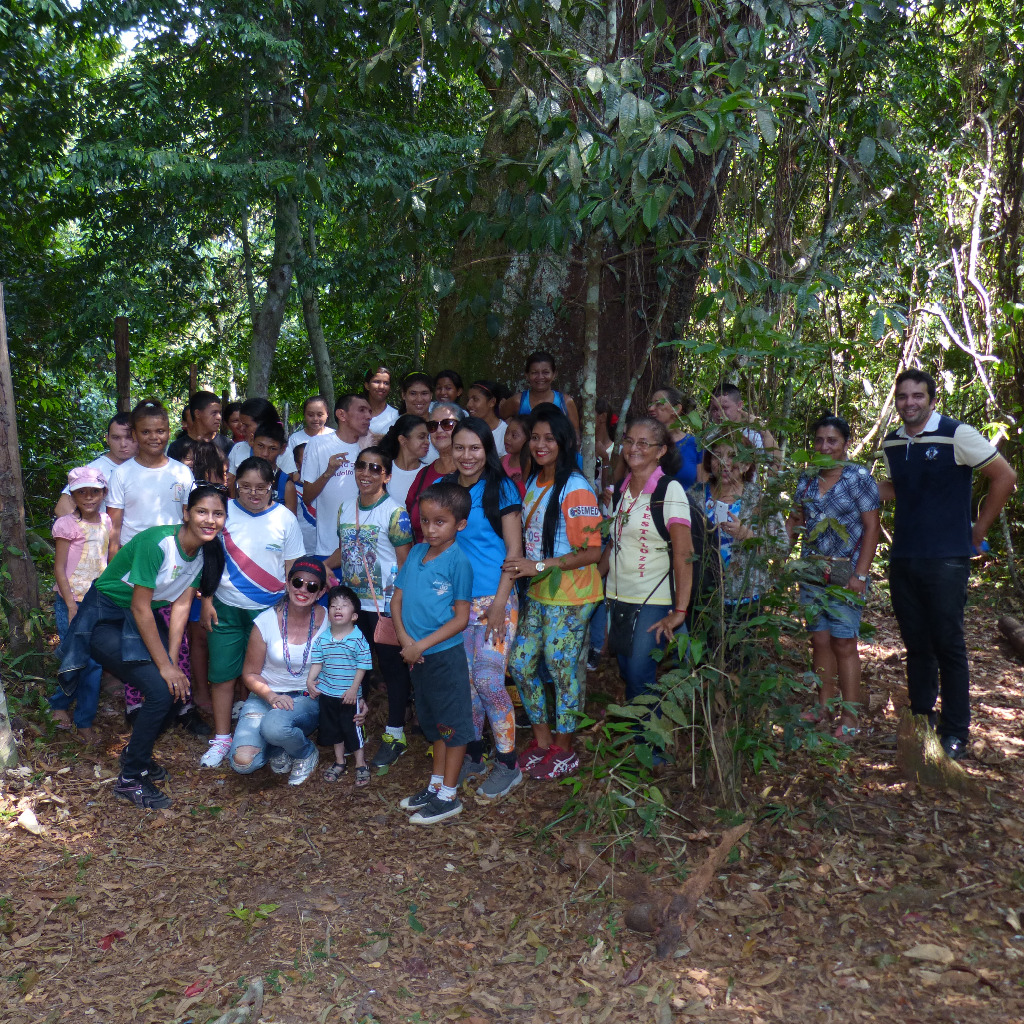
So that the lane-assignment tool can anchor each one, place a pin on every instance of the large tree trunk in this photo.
(23, 593)
(537, 300)
(314, 327)
(267, 328)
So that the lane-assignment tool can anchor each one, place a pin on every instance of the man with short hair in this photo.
(328, 468)
(121, 446)
(201, 418)
(930, 460)
(726, 406)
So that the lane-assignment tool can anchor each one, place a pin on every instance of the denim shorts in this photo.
(837, 616)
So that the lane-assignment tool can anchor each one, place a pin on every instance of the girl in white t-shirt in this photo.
(151, 489)
(82, 540)
(406, 444)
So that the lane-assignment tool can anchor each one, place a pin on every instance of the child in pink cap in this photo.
(82, 540)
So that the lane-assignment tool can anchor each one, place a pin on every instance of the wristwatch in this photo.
(863, 579)
(540, 566)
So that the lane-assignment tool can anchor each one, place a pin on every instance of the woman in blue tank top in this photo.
(540, 375)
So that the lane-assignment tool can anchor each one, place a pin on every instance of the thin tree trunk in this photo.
(8, 748)
(315, 328)
(591, 332)
(250, 286)
(267, 328)
(23, 591)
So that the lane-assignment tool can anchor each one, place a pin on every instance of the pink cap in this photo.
(86, 476)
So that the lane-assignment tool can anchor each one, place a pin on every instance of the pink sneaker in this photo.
(558, 764)
(531, 756)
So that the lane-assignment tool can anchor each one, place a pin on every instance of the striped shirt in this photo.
(341, 658)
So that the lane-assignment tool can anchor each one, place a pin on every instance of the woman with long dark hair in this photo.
(493, 534)
(483, 400)
(562, 529)
(158, 568)
(406, 444)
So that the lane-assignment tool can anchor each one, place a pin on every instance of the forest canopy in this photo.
(800, 197)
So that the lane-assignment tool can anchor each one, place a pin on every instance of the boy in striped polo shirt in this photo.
(340, 659)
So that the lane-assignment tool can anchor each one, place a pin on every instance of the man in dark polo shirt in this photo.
(931, 459)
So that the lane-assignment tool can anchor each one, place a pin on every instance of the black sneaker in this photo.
(954, 747)
(417, 800)
(141, 792)
(436, 810)
(192, 722)
(155, 771)
(389, 751)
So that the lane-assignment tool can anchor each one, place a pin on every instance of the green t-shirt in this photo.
(153, 559)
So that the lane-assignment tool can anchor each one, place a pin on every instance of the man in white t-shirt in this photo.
(121, 447)
(727, 407)
(328, 468)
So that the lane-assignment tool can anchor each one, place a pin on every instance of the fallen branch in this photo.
(1013, 630)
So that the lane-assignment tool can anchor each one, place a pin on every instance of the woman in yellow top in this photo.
(562, 527)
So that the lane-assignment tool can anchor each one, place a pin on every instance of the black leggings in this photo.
(392, 668)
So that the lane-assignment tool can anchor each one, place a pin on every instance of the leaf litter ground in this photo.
(855, 896)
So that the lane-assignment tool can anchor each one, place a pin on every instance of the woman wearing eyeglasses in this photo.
(261, 541)
(374, 537)
(648, 577)
(279, 715)
(441, 422)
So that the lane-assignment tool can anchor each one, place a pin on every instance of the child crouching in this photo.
(340, 659)
(430, 608)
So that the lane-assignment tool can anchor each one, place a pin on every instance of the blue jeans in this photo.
(639, 669)
(272, 730)
(928, 600)
(86, 697)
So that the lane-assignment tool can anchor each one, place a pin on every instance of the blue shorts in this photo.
(444, 705)
(836, 616)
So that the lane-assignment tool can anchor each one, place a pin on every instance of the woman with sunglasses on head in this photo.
(279, 715)
(444, 417)
(562, 528)
(374, 537)
(483, 400)
(406, 444)
(116, 625)
(261, 541)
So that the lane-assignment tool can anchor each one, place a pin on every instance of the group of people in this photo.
(452, 541)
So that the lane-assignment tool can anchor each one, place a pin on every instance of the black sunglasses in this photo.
(445, 424)
(370, 467)
(312, 588)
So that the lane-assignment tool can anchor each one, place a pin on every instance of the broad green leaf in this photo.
(866, 151)
(737, 73)
(878, 324)
(595, 79)
(627, 114)
(648, 118)
(766, 125)
(651, 211)
(575, 165)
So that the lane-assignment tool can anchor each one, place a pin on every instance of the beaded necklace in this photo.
(284, 643)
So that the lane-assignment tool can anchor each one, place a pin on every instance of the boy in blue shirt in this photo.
(340, 659)
(430, 609)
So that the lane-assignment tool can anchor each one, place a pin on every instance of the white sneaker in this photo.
(281, 764)
(302, 768)
(216, 751)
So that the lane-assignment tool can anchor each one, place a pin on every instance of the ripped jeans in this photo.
(271, 730)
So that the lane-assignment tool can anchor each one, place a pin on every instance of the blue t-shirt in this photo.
(341, 659)
(430, 590)
(690, 456)
(484, 548)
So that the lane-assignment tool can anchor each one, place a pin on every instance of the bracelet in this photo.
(679, 611)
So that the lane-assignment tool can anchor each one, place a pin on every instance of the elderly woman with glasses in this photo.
(374, 537)
(261, 541)
(279, 715)
(441, 422)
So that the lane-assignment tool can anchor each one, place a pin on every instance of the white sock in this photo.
(221, 736)
(446, 792)
(436, 782)
(396, 731)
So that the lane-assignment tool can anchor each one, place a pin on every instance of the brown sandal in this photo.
(362, 776)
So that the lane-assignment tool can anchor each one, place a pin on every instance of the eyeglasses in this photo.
(370, 467)
(246, 489)
(446, 424)
(643, 446)
(297, 584)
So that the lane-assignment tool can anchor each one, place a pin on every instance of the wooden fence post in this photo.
(122, 364)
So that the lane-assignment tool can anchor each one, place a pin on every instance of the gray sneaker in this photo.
(281, 763)
(472, 770)
(302, 768)
(500, 782)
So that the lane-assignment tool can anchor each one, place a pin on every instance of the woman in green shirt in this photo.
(159, 567)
